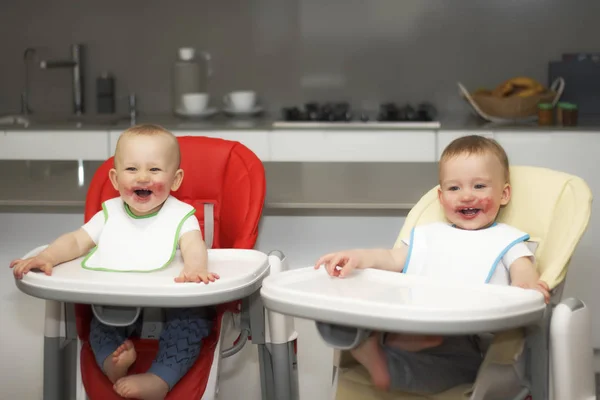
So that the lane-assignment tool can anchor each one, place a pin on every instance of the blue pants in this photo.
(178, 347)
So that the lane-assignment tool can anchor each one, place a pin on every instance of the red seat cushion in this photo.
(224, 173)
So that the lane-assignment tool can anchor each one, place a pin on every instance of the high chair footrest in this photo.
(115, 315)
(342, 337)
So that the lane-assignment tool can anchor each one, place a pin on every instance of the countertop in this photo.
(466, 123)
(48, 186)
(222, 122)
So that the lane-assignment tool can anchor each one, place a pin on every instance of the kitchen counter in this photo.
(111, 122)
(467, 123)
(221, 122)
(51, 186)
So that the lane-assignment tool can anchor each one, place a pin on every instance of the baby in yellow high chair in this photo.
(137, 232)
(472, 247)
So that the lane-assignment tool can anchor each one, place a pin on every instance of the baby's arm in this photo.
(195, 259)
(384, 259)
(66, 248)
(524, 274)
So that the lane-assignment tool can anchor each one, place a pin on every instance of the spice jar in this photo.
(559, 112)
(545, 114)
(570, 113)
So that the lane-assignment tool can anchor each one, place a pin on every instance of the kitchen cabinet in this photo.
(255, 140)
(54, 145)
(353, 146)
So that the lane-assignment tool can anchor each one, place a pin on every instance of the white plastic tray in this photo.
(241, 272)
(395, 302)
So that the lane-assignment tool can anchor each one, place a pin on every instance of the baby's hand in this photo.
(196, 275)
(346, 260)
(21, 267)
(541, 287)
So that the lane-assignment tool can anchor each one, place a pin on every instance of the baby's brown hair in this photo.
(150, 130)
(476, 144)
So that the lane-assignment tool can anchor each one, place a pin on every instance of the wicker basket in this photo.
(514, 108)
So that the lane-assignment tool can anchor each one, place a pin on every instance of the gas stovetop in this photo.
(340, 114)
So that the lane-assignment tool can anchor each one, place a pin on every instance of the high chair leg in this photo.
(278, 354)
(253, 314)
(572, 354)
(53, 368)
(70, 367)
(278, 373)
(282, 371)
(538, 357)
(274, 358)
(60, 352)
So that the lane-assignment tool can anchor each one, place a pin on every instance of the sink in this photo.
(18, 121)
(13, 120)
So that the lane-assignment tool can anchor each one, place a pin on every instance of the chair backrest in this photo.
(553, 207)
(221, 173)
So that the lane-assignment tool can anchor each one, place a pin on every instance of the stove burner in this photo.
(341, 112)
(328, 112)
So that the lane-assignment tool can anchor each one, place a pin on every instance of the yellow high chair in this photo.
(554, 208)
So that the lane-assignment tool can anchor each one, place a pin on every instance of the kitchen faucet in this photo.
(132, 109)
(25, 109)
(76, 63)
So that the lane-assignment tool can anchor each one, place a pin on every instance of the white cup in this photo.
(195, 102)
(240, 100)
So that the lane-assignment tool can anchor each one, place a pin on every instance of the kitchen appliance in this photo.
(582, 75)
(341, 114)
(105, 94)
(190, 75)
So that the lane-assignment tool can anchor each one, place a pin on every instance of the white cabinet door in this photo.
(54, 145)
(572, 152)
(445, 137)
(576, 153)
(352, 146)
(257, 141)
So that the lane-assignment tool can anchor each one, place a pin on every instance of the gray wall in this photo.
(290, 51)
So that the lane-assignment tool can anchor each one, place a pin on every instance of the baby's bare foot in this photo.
(117, 364)
(142, 386)
(371, 355)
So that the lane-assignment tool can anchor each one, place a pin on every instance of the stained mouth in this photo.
(142, 192)
(469, 211)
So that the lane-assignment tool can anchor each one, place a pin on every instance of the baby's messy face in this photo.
(472, 189)
(146, 170)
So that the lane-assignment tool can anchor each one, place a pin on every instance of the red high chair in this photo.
(225, 182)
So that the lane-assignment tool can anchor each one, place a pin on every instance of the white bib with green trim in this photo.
(125, 247)
(441, 251)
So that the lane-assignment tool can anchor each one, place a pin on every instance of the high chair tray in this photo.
(395, 302)
(241, 273)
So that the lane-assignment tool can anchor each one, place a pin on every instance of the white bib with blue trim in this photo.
(126, 247)
(441, 251)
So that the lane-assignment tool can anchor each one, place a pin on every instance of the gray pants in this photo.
(455, 362)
